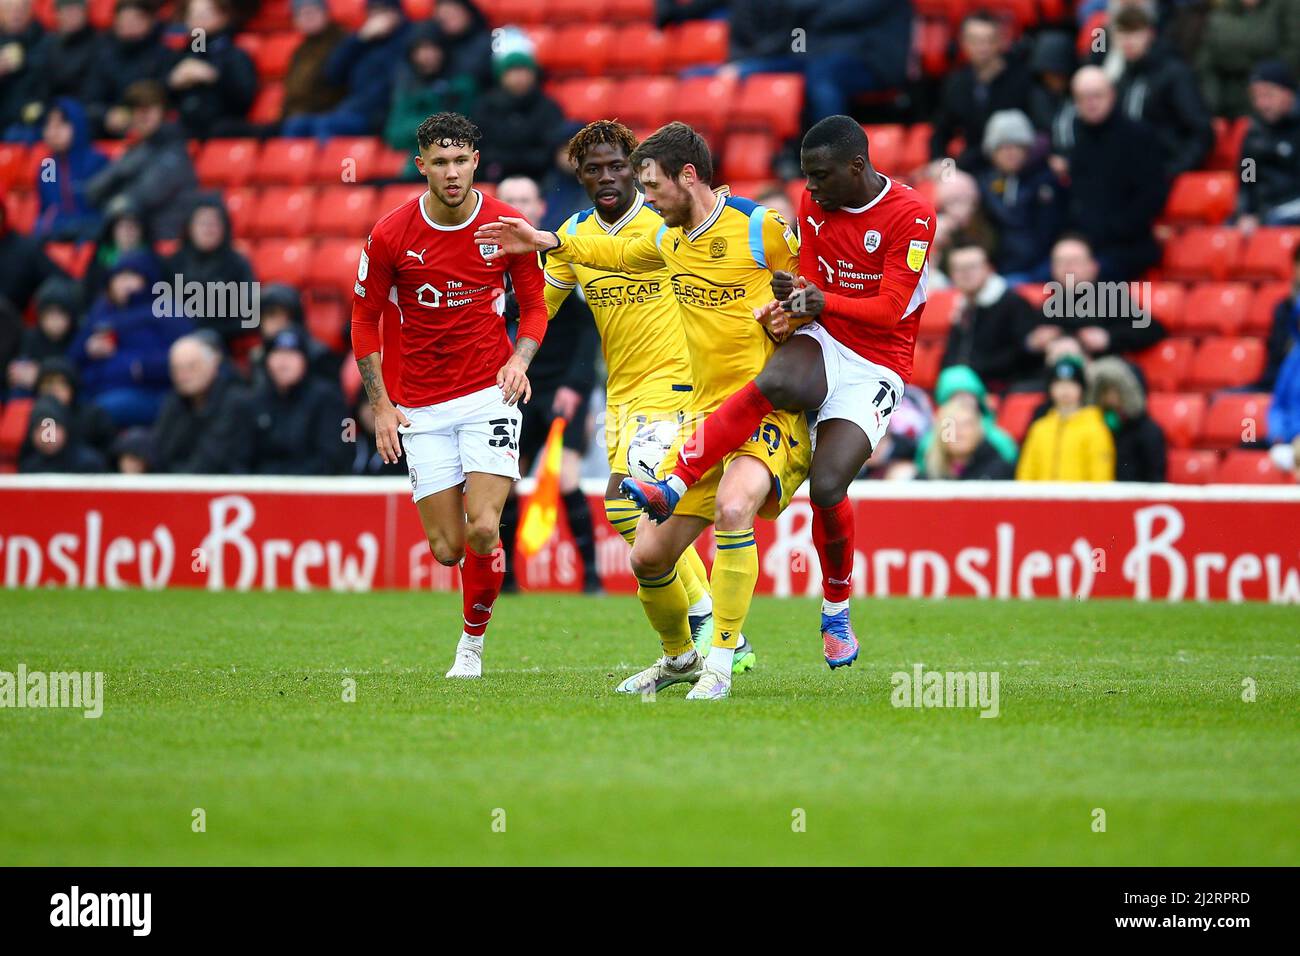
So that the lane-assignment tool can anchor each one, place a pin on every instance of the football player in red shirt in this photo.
(864, 244)
(444, 379)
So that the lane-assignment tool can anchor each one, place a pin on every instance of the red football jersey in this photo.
(443, 333)
(873, 265)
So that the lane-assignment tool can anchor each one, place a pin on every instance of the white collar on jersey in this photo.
(879, 196)
(478, 204)
(638, 201)
(713, 217)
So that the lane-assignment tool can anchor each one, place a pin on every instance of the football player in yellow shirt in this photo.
(720, 253)
(642, 338)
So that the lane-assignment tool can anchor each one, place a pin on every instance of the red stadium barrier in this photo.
(984, 539)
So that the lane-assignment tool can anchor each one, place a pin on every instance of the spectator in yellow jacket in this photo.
(1071, 442)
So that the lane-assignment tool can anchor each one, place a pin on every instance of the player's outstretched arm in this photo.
(387, 415)
(513, 237)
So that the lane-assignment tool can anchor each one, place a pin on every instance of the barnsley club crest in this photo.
(488, 249)
(871, 241)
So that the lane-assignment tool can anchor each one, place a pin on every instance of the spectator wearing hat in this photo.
(425, 85)
(207, 423)
(1051, 64)
(212, 83)
(960, 451)
(1272, 143)
(300, 421)
(1239, 34)
(1071, 442)
(121, 350)
(52, 445)
(306, 88)
(207, 255)
(69, 55)
(124, 230)
(1114, 387)
(132, 452)
(519, 121)
(363, 66)
(961, 382)
(989, 82)
(1116, 177)
(22, 48)
(57, 379)
(131, 51)
(280, 311)
(58, 311)
(23, 266)
(467, 40)
(991, 321)
(155, 174)
(66, 215)
(1021, 196)
(1156, 87)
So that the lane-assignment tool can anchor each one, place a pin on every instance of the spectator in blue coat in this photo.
(1284, 413)
(66, 214)
(121, 350)
(1022, 198)
(365, 64)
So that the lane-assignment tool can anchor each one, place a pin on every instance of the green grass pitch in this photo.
(233, 703)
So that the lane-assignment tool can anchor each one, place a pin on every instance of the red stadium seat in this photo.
(1202, 252)
(1235, 418)
(283, 211)
(638, 48)
(584, 99)
(241, 205)
(916, 147)
(268, 104)
(286, 161)
(933, 42)
(1226, 363)
(644, 100)
(1242, 467)
(271, 16)
(705, 102)
(16, 166)
(225, 163)
(325, 315)
(748, 156)
(885, 145)
(1017, 412)
(1228, 135)
(1190, 466)
(1178, 415)
(1259, 320)
(582, 49)
(502, 12)
(1018, 14)
(13, 427)
(1201, 197)
(545, 45)
(282, 260)
(940, 308)
(697, 43)
(348, 159)
(418, 9)
(925, 364)
(1168, 300)
(772, 102)
(1035, 293)
(346, 211)
(751, 188)
(1269, 254)
(101, 13)
(72, 258)
(1166, 364)
(21, 210)
(274, 53)
(577, 11)
(350, 13)
(1216, 308)
(631, 11)
(334, 266)
(390, 197)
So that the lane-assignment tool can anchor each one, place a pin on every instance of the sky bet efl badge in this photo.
(916, 254)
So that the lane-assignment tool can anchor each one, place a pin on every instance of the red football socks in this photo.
(832, 534)
(722, 432)
(480, 584)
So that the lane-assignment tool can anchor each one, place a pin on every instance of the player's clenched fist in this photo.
(512, 237)
(513, 381)
(782, 285)
(387, 439)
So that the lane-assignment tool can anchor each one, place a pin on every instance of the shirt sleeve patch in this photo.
(916, 250)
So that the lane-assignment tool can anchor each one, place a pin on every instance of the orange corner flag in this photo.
(542, 509)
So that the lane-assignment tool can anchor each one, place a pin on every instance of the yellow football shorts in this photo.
(622, 422)
(782, 444)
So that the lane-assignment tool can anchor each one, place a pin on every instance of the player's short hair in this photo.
(842, 135)
(601, 133)
(447, 129)
(674, 146)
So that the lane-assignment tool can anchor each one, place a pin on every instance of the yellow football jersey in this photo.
(720, 272)
(640, 324)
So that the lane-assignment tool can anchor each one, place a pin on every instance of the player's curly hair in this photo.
(601, 133)
(447, 129)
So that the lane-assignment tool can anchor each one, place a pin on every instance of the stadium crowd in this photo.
(1063, 148)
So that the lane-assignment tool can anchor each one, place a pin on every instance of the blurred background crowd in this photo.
(1148, 152)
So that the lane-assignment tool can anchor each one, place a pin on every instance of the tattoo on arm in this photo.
(372, 378)
(526, 348)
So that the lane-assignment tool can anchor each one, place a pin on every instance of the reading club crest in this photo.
(871, 240)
